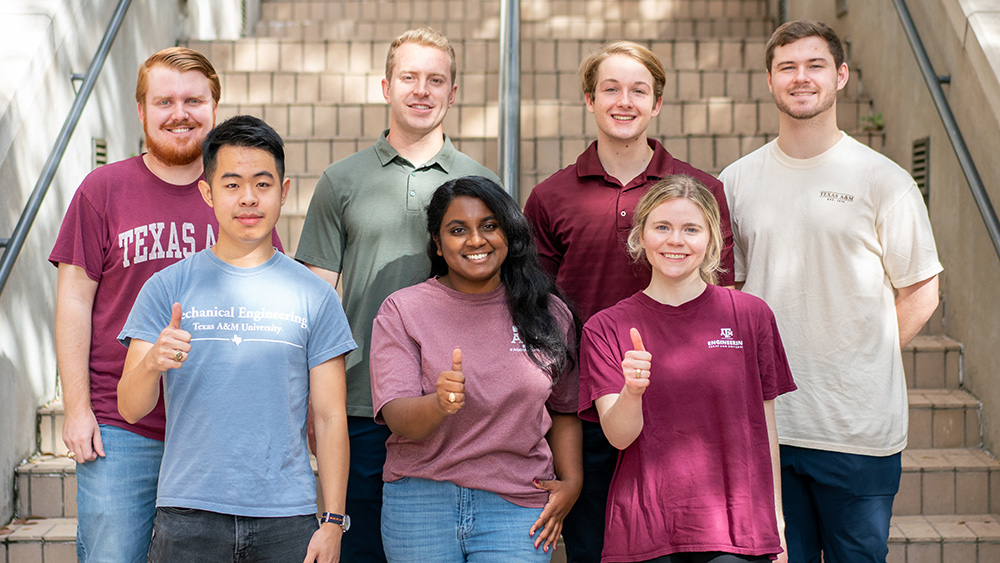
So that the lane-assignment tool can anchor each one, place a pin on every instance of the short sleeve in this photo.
(82, 239)
(330, 336)
(395, 359)
(150, 314)
(324, 237)
(550, 250)
(600, 365)
(772, 364)
(566, 392)
(909, 254)
(739, 271)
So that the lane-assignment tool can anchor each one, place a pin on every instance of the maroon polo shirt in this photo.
(581, 217)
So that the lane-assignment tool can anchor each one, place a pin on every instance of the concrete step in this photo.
(933, 362)
(912, 539)
(948, 481)
(364, 56)
(559, 27)
(945, 539)
(943, 418)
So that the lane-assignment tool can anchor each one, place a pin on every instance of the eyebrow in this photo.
(265, 173)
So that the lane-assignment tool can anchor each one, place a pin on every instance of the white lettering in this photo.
(156, 229)
(174, 245)
(141, 252)
(124, 239)
(188, 239)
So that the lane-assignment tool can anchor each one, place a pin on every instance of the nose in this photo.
(674, 237)
(475, 238)
(248, 196)
(624, 99)
(800, 74)
(421, 87)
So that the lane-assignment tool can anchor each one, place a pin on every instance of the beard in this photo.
(173, 153)
(804, 113)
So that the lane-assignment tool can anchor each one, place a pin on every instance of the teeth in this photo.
(673, 256)
(623, 117)
(180, 130)
(421, 106)
(479, 256)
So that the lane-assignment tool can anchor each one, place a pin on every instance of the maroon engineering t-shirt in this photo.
(123, 225)
(698, 477)
(581, 218)
(496, 442)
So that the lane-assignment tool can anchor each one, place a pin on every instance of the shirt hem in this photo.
(843, 448)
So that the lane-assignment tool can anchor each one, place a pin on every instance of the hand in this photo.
(636, 365)
(451, 385)
(82, 436)
(164, 353)
(324, 547)
(562, 496)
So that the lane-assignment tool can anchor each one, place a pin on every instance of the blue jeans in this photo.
(199, 536)
(438, 521)
(364, 490)
(583, 529)
(837, 505)
(116, 498)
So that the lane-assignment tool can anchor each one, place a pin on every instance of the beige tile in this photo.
(923, 552)
(737, 85)
(473, 121)
(695, 118)
(689, 85)
(685, 55)
(375, 119)
(26, 552)
(949, 428)
(971, 492)
(709, 54)
(277, 117)
(907, 501)
(295, 155)
(720, 117)
(331, 88)
(571, 120)
(69, 496)
(920, 434)
(306, 88)
(727, 151)
(731, 55)
(290, 54)
(938, 492)
(268, 55)
(897, 553)
(670, 122)
(547, 156)
(702, 153)
(300, 121)
(259, 88)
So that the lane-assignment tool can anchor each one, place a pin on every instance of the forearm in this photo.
(333, 458)
(139, 387)
(73, 331)
(414, 418)
(774, 448)
(621, 417)
(914, 305)
(565, 438)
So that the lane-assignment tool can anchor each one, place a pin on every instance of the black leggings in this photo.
(710, 557)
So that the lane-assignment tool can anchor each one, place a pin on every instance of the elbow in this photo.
(129, 416)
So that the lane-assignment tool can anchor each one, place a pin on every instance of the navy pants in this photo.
(837, 505)
(363, 543)
(583, 529)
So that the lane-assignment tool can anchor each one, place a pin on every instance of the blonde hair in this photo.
(180, 59)
(588, 70)
(674, 187)
(425, 36)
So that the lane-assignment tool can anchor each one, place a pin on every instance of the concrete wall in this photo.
(43, 43)
(962, 38)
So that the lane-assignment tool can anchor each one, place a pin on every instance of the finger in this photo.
(175, 316)
(636, 339)
(456, 359)
(543, 485)
(98, 443)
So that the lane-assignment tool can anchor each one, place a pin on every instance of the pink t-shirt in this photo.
(698, 477)
(496, 442)
(123, 225)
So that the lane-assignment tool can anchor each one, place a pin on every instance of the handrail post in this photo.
(16, 240)
(509, 147)
(950, 125)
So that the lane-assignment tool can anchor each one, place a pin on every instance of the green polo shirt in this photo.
(367, 221)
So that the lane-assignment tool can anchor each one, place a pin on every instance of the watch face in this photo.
(347, 523)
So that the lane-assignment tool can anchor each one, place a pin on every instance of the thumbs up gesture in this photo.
(636, 364)
(173, 345)
(451, 385)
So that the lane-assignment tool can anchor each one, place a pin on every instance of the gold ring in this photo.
(638, 372)
(178, 356)
(451, 397)
(71, 455)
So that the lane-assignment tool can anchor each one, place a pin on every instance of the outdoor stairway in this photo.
(314, 73)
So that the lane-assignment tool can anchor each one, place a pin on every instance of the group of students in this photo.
(492, 379)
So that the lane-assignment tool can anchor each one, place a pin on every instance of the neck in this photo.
(243, 254)
(675, 292)
(806, 138)
(176, 175)
(624, 160)
(418, 149)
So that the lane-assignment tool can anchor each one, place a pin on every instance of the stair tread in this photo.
(40, 529)
(932, 343)
(946, 527)
(941, 399)
(964, 459)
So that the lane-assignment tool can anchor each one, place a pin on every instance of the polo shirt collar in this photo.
(444, 159)
(660, 165)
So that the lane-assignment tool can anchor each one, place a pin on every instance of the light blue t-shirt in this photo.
(236, 411)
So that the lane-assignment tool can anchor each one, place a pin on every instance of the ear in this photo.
(770, 88)
(451, 98)
(843, 74)
(656, 107)
(206, 192)
(437, 242)
(142, 113)
(385, 90)
(589, 100)
(285, 186)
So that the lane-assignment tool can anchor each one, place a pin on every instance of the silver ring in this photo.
(451, 397)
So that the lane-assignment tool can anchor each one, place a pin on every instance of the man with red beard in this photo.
(127, 221)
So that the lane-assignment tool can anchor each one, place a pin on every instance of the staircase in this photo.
(314, 74)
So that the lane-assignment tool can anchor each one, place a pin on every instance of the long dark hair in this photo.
(528, 286)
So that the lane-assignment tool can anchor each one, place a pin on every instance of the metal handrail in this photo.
(509, 146)
(951, 126)
(16, 241)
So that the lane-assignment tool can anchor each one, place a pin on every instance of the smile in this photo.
(476, 257)
(673, 256)
(623, 117)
